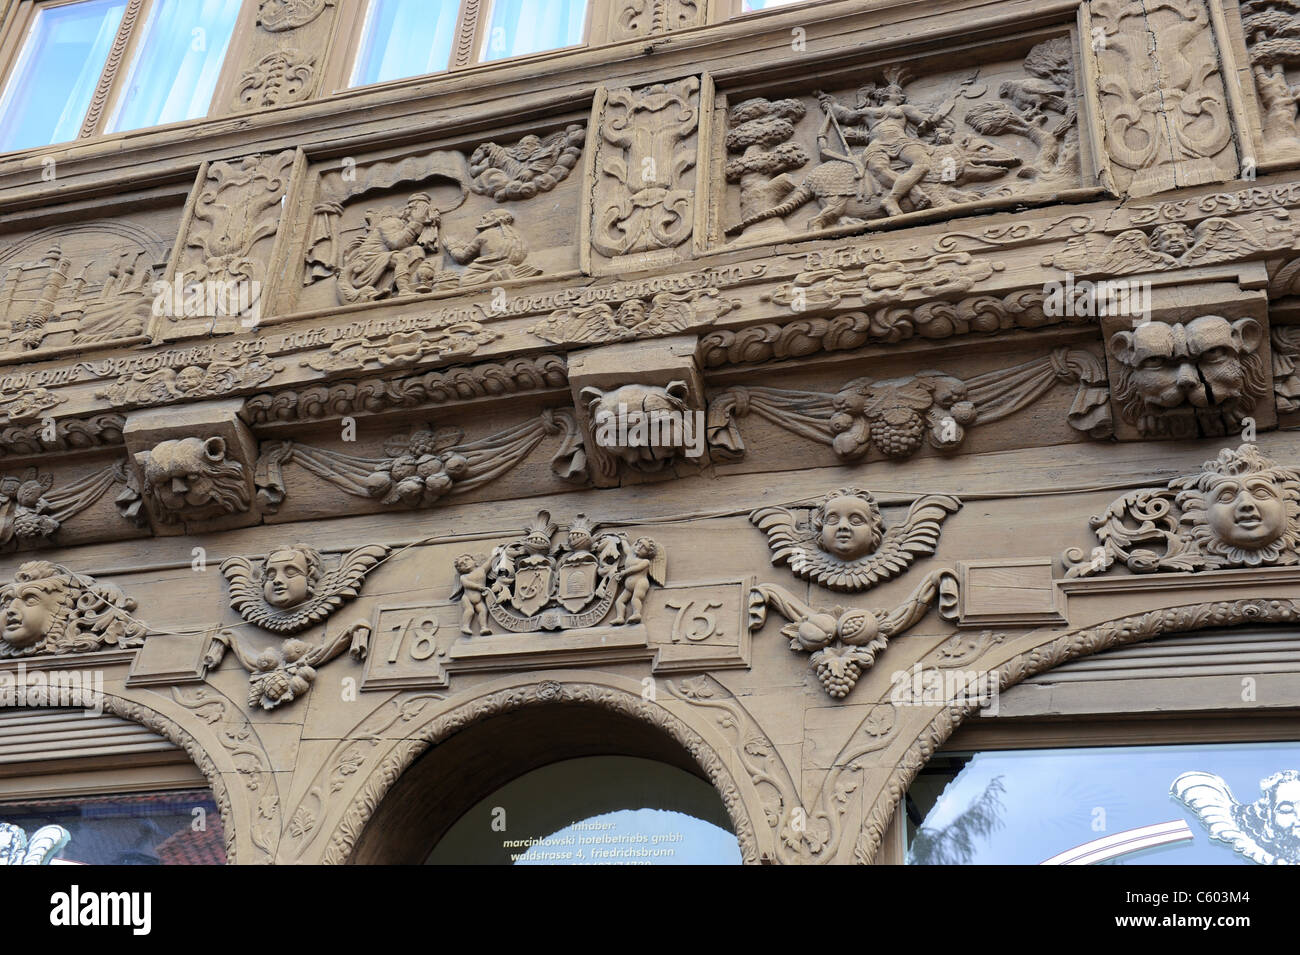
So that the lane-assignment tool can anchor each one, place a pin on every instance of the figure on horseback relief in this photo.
(897, 145)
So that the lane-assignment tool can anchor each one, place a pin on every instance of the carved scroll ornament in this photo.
(896, 416)
(843, 543)
(1240, 510)
(291, 589)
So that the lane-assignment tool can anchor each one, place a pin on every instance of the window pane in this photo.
(154, 828)
(176, 64)
(405, 38)
(56, 74)
(1129, 805)
(752, 6)
(519, 27)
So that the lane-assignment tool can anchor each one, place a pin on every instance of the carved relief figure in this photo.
(1175, 245)
(760, 132)
(1180, 379)
(398, 253)
(498, 253)
(1272, 32)
(544, 582)
(1240, 510)
(292, 590)
(49, 609)
(645, 563)
(1266, 831)
(843, 543)
(193, 479)
(280, 675)
(535, 164)
(666, 313)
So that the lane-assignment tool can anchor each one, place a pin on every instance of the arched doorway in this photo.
(502, 785)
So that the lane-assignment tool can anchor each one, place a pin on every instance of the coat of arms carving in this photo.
(546, 580)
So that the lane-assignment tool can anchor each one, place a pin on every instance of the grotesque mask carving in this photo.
(48, 609)
(1206, 375)
(1242, 509)
(1239, 510)
(192, 479)
(646, 426)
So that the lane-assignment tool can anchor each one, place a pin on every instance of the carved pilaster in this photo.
(641, 162)
(1166, 105)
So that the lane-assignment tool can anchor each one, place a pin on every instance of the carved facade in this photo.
(626, 382)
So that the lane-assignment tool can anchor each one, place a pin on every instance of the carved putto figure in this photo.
(1240, 510)
(49, 609)
(543, 581)
(284, 673)
(1203, 376)
(666, 313)
(843, 543)
(291, 590)
(1174, 245)
(1266, 831)
(192, 479)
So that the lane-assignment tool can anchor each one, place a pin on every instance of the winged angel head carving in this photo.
(844, 545)
(1266, 831)
(291, 590)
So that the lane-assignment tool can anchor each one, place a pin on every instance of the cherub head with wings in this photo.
(292, 590)
(290, 575)
(848, 523)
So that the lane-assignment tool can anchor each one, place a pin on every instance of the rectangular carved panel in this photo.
(222, 265)
(1165, 120)
(913, 138)
(642, 155)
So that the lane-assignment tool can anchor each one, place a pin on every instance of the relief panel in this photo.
(905, 139)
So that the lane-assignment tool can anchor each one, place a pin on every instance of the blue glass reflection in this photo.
(520, 27)
(56, 73)
(405, 38)
(1022, 807)
(175, 67)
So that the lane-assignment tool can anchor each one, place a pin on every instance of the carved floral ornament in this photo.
(1240, 510)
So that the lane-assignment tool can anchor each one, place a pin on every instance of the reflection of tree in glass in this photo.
(954, 844)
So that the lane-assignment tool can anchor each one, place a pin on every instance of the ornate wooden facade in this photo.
(969, 311)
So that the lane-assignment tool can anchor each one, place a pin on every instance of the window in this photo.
(1119, 805)
(753, 6)
(402, 38)
(68, 67)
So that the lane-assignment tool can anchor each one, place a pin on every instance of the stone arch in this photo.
(581, 691)
(1045, 656)
(173, 732)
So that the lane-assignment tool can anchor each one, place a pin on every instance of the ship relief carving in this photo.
(1240, 510)
(49, 609)
(546, 580)
(843, 543)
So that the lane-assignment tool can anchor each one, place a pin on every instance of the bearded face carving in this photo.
(1203, 377)
(1266, 831)
(192, 479)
